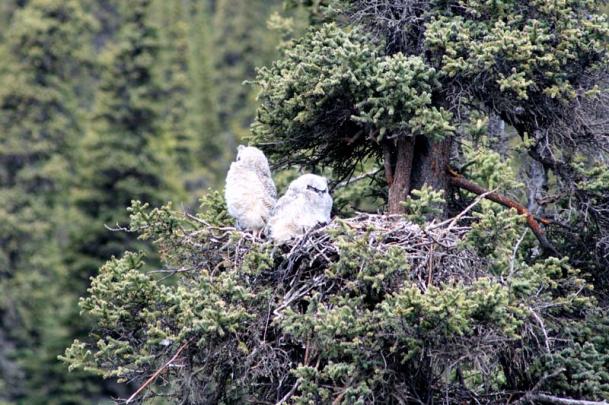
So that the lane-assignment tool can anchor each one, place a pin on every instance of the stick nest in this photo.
(433, 255)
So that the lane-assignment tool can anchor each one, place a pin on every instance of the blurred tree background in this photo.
(102, 102)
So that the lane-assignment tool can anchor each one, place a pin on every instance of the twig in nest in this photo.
(452, 221)
(289, 394)
(339, 397)
(550, 399)
(543, 329)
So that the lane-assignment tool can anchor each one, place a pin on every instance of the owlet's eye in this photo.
(318, 191)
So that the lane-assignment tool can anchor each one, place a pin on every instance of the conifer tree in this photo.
(189, 115)
(211, 152)
(243, 43)
(123, 156)
(519, 91)
(45, 60)
(7, 9)
(173, 69)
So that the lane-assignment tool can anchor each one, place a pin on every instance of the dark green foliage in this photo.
(45, 60)
(340, 104)
(318, 10)
(243, 43)
(175, 83)
(588, 221)
(7, 10)
(584, 364)
(39, 118)
(57, 190)
(211, 153)
(359, 321)
(123, 156)
(189, 114)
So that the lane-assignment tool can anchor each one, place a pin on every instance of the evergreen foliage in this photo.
(348, 314)
(123, 156)
(40, 122)
(190, 120)
(173, 72)
(211, 153)
(314, 87)
(538, 66)
(151, 127)
(243, 43)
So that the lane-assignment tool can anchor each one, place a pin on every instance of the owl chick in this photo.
(306, 204)
(250, 192)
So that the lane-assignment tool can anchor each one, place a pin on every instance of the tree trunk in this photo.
(400, 173)
(498, 136)
(412, 162)
(430, 162)
(537, 186)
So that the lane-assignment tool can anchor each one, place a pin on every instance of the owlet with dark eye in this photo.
(306, 204)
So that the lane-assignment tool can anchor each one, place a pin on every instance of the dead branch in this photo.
(156, 373)
(458, 180)
(356, 179)
(550, 399)
(452, 221)
(289, 394)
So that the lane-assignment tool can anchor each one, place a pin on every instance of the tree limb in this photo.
(550, 399)
(458, 180)
(156, 373)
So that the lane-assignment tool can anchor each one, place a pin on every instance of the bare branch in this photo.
(550, 399)
(458, 180)
(355, 179)
(156, 373)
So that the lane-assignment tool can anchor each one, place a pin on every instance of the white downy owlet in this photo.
(306, 203)
(250, 192)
